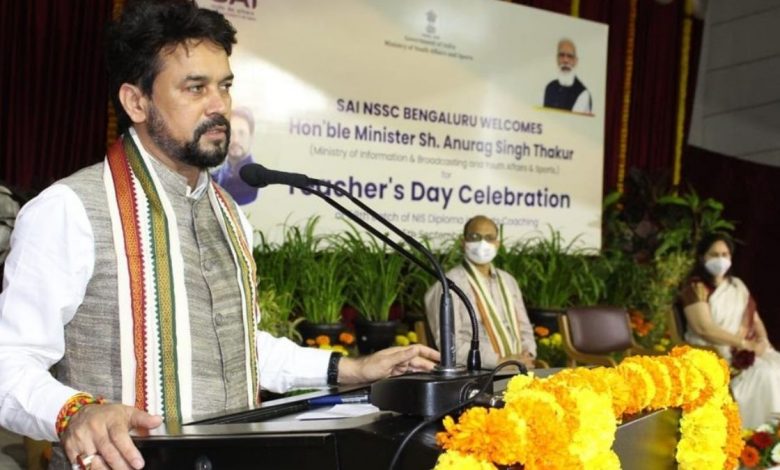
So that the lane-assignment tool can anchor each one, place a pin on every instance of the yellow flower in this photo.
(569, 419)
(456, 461)
(401, 340)
(659, 374)
(412, 337)
(703, 436)
(641, 384)
(341, 349)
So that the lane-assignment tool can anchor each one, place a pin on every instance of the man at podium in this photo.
(134, 278)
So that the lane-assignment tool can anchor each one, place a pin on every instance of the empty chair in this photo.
(592, 334)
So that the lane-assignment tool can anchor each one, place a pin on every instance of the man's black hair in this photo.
(145, 28)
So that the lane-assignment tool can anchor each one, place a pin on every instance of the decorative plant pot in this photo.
(373, 336)
(312, 330)
(546, 317)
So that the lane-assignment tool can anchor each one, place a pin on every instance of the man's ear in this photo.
(134, 102)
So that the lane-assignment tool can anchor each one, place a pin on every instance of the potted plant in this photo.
(375, 286)
(311, 274)
(276, 289)
(650, 233)
(417, 281)
(554, 275)
(275, 315)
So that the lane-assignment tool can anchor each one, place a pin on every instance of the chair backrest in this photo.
(599, 330)
(676, 323)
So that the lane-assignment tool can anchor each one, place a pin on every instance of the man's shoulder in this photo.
(87, 176)
(457, 270)
(457, 274)
(506, 275)
(88, 186)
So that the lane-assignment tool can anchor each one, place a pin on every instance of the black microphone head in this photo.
(253, 174)
(258, 176)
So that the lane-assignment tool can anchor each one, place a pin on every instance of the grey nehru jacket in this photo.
(92, 350)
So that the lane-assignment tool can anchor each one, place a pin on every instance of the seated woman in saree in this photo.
(721, 313)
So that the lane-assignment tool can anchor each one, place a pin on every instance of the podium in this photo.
(270, 438)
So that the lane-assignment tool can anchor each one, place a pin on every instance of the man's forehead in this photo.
(482, 226)
(195, 58)
(566, 45)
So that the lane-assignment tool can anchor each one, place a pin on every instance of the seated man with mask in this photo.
(504, 329)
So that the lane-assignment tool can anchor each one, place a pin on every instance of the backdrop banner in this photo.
(430, 111)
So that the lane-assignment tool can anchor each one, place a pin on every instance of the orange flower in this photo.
(638, 323)
(322, 340)
(541, 331)
(346, 338)
(734, 442)
(750, 457)
(310, 342)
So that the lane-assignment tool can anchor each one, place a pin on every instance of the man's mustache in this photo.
(211, 123)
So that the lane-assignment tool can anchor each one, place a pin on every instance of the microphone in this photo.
(416, 394)
(257, 175)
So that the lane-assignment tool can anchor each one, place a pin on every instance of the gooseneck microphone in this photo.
(421, 394)
(258, 176)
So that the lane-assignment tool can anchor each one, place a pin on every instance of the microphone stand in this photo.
(446, 325)
(421, 394)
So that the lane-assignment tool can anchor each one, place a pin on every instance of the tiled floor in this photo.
(12, 456)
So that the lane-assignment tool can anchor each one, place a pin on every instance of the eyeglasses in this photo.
(478, 237)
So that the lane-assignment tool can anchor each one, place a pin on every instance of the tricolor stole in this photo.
(505, 341)
(153, 308)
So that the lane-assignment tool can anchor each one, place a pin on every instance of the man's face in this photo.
(240, 139)
(481, 229)
(190, 104)
(567, 56)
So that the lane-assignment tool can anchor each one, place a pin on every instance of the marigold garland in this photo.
(569, 420)
(734, 442)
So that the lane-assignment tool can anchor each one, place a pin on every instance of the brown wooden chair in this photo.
(675, 324)
(591, 335)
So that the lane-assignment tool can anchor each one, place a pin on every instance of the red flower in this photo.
(762, 440)
(742, 358)
(749, 457)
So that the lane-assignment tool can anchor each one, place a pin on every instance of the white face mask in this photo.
(717, 266)
(480, 252)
